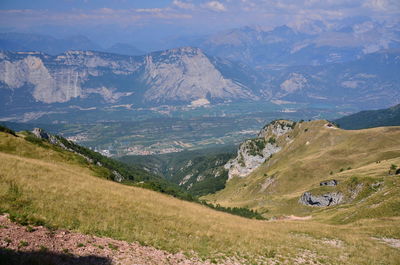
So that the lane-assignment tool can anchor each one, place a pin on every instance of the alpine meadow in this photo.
(200, 132)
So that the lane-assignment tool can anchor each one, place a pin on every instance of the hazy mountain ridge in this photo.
(23, 42)
(314, 43)
(371, 118)
(373, 79)
(184, 74)
(13, 41)
(33, 80)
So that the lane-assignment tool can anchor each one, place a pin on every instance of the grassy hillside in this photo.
(371, 118)
(55, 188)
(313, 153)
(199, 172)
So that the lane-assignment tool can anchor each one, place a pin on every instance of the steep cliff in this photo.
(178, 75)
(187, 74)
(254, 152)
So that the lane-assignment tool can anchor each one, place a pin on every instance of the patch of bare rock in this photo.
(393, 242)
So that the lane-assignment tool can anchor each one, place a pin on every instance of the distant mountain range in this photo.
(16, 42)
(371, 118)
(313, 44)
(86, 79)
(94, 78)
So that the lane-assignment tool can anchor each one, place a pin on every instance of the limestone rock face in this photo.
(187, 74)
(328, 199)
(41, 134)
(254, 152)
(177, 75)
(49, 87)
(247, 161)
(276, 128)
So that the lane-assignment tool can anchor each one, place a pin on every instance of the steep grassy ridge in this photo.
(42, 185)
(312, 153)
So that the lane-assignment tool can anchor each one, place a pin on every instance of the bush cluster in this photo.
(7, 130)
(240, 211)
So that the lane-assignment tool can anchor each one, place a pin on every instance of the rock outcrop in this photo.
(247, 160)
(42, 134)
(276, 128)
(324, 200)
(254, 152)
(332, 182)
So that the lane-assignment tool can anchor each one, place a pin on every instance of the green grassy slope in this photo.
(314, 153)
(54, 187)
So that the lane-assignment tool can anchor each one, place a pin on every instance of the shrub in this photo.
(23, 243)
(112, 247)
(393, 167)
(270, 253)
(7, 130)
(33, 139)
(240, 211)
(43, 248)
(30, 229)
(256, 146)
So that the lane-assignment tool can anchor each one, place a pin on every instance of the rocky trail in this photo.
(39, 245)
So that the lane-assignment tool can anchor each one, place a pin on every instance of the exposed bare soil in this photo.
(39, 245)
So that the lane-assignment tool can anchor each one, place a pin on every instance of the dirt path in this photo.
(38, 245)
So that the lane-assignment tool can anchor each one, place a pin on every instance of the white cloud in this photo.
(149, 10)
(383, 5)
(215, 6)
(183, 5)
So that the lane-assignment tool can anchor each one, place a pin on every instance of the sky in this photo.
(145, 21)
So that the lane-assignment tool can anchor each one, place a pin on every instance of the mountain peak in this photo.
(186, 50)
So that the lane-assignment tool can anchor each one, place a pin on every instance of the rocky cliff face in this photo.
(184, 74)
(48, 87)
(187, 74)
(253, 152)
(58, 79)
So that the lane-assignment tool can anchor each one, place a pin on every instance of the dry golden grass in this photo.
(315, 152)
(52, 186)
